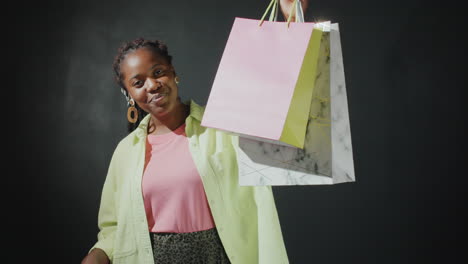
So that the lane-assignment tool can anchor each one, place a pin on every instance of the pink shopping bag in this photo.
(264, 83)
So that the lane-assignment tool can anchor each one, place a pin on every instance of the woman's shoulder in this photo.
(197, 111)
(124, 145)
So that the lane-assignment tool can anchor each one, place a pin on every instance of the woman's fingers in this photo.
(286, 8)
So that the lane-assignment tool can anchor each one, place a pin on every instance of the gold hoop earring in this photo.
(132, 110)
(176, 79)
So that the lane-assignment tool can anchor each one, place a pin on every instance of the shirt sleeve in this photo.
(107, 219)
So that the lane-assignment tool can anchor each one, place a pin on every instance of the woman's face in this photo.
(150, 81)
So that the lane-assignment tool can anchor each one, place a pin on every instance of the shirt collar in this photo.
(196, 112)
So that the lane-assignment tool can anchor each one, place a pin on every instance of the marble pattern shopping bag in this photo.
(327, 156)
(265, 81)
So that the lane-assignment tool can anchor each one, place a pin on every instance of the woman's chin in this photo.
(158, 110)
(162, 108)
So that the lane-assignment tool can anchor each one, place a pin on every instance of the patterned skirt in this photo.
(203, 247)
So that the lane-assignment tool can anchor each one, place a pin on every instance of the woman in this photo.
(171, 194)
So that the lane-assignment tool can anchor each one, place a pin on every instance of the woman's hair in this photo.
(157, 46)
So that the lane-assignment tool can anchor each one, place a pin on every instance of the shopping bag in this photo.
(264, 83)
(327, 157)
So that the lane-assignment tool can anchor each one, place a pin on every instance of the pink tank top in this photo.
(173, 192)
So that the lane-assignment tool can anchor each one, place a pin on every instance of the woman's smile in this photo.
(157, 98)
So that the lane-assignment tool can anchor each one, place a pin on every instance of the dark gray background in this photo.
(404, 73)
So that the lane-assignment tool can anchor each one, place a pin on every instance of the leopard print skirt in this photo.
(200, 247)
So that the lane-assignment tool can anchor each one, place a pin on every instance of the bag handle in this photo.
(296, 6)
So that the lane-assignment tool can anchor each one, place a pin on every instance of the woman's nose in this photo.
(152, 85)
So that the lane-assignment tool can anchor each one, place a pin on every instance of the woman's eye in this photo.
(137, 83)
(158, 72)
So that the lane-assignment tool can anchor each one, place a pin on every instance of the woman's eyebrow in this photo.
(157, 64)
(152, 67)
(136, 75)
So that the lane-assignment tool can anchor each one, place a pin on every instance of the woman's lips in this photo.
(157, 97)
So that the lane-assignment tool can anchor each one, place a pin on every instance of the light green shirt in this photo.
(245, 216)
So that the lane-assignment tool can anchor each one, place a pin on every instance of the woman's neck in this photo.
(171, 122)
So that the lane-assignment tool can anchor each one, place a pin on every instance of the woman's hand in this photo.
(286, 7)
(96, 256)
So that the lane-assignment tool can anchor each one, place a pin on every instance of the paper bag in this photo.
(264, 83)
(327, 156)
